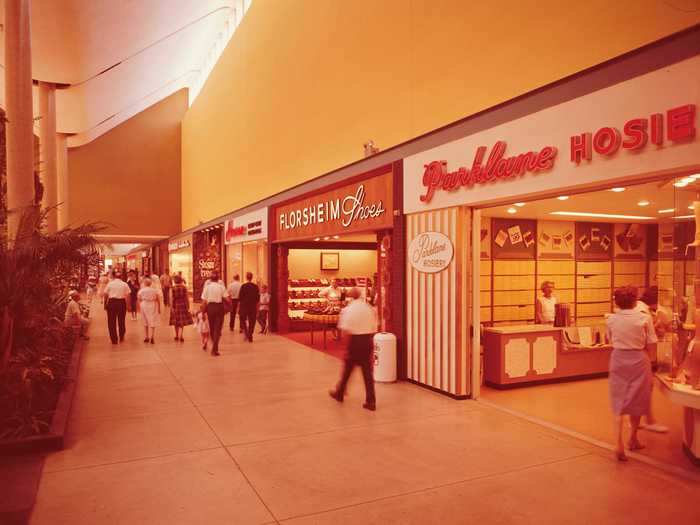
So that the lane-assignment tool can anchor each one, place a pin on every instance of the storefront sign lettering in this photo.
(249, 227)
(177, 245)
(638, 132)
(437, 177)
(347, 210)
(430, 252)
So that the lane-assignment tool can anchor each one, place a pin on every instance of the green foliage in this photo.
(35, 270)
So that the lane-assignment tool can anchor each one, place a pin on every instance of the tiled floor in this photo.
(167, 434)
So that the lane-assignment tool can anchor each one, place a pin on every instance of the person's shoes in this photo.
(250, 339)
(115, 342)
(370, 406)
(146, 340)
(215, 352)
(241, 331)
(152, 341)
(177, 338)
(335, 396)
(635, 445)
(655, 427)
(121, 339)
(204, 347)
(621, 456)
(182, 339)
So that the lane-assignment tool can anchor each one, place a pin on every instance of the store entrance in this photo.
(319, 274)
(550, 362)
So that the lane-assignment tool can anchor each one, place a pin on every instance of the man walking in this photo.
(359, 322)
(116, 293)
(165, 284)
(234, 290)
(249, 297)
(213, 298)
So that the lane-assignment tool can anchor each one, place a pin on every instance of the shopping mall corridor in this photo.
(167, 434)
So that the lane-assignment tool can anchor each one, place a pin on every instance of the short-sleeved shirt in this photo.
(548, 305)
(148, 294)
(358, 318)
(214, 292)
(117, 289)
(234, 289)
(331, 294)
(72, 313)
(630, 330)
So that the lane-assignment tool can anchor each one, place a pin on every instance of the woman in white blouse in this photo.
(631, 333)
(149, 301)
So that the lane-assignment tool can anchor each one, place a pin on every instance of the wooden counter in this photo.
(527, 354)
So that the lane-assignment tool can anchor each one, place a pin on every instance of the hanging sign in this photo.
(366, 205)
(178, 245)
(430, 252)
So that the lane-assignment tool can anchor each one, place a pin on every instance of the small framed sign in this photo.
(330, 261)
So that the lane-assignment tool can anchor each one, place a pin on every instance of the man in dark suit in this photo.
(248, 299)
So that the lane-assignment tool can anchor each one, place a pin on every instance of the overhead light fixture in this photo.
(685, 217)
(563, 197)
(326, 238)
(680, 184)
(617, 190)
(317, 239)
(512, 210)
(336, 236)
(695, 177)
(691, 207)
(689, 180)
(519, 204)
(667, 210)
(602, 215)
(643, 203)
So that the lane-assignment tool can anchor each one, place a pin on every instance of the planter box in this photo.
(54, 439)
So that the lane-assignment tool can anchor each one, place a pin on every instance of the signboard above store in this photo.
(643, 126)
(365, 205)
(249, 227)
(178, 245)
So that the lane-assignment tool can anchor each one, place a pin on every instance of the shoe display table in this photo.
(324, 321)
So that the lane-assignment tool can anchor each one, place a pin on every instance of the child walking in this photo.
(202, 326)
(264, 309)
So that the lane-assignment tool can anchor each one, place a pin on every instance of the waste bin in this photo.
(385, 357)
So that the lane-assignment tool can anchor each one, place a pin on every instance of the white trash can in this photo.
(384, 357)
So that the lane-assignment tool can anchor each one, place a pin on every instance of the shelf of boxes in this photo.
(594, 290)
(513, 291)
(485, 268)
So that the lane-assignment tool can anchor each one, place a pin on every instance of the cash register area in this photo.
(588, 244)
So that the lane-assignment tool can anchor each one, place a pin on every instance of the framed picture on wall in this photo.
(330, 261)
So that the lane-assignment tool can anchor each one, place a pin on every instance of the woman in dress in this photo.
(133, 282)
(179, 308)
(631, 333)
(149, 300)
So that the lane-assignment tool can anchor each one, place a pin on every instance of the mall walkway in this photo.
(167, 434)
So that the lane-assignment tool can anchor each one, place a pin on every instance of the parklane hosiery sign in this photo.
(430, 252)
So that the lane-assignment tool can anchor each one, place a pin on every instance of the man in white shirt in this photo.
(234, 289)
(213, 296)
(116, 293)
(359, 322)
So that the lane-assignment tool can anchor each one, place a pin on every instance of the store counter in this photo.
(527, 354)
(685, 396)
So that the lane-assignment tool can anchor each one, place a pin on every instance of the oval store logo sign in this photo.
(431, 252)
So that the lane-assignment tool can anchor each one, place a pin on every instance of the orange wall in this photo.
(301, 87)
(130, 176)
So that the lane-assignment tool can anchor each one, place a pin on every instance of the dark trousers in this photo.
(360, 352)
(262, 319)
(166, 295)
(116, 313)
(215, 313)
(234, 312)
(248, 322)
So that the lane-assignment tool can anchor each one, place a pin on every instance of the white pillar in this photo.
(62, 189)
(47, 136)
(18, 105)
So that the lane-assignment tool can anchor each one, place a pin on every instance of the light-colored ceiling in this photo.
(661, 195)
(115, 58)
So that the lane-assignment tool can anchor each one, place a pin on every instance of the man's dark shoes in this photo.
(215, 352)
(370, 406)
(335, 396)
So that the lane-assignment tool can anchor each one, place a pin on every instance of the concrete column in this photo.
(62, 179)
(47, 137)
(18, 106)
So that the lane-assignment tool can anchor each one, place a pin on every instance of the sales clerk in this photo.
(332, 294)
(546, 304)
